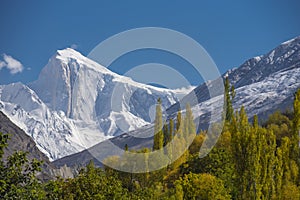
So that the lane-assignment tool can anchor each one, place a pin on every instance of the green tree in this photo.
(166, 134)
(190, 125)
(201, 186)
(178, 122)
(158, 140)
(254, 157)
(229, 94)
(3, 144)
(126, 147)
(217, 163)
(296, 128)
(18, 175)
(93, 183)
(296, 119)
(55, 188)
(268, 161)
(170, 140)
(240, 141)
(280, 124)
(291, 192)
(171, 129)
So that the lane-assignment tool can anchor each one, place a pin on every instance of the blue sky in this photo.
(230, 31)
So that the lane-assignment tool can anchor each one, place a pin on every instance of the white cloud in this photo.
(2, 64)
(13, 65)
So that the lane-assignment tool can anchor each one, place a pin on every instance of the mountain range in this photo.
(263, 84)
(77, 104)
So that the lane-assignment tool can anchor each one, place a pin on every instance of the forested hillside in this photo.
(251, 160)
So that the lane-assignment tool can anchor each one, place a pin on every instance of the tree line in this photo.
(251, 160)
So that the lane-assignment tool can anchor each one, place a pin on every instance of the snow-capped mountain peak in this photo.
(291, 41)
(76, 103)
(256, 69)
(69, 55)
(263, 84)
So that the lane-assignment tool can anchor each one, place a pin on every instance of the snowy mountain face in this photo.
(275, 92)
(262, 98)
(285, 56)
(50, 129)
(76, 103)
(268, 83)
(263, 84)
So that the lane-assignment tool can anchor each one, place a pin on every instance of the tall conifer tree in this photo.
(229, 94)
(158, 131)
(178, 122)
(171, 129)
(296, 128)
